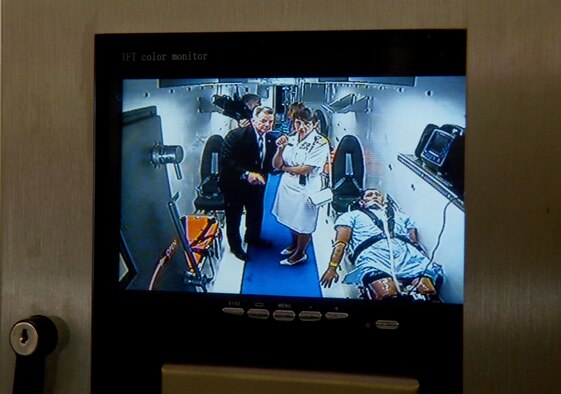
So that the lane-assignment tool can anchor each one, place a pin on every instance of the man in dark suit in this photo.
(246, 159)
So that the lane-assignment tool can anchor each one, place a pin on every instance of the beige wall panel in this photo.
(513, 295)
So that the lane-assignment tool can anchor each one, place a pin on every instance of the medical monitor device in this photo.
(437, 147)
(169, 286)
(441, 150)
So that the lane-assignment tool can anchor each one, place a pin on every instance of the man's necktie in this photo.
(261, 150)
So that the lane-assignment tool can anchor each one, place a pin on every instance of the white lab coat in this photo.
(292, 207)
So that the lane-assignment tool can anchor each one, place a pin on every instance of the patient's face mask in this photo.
(373, 199)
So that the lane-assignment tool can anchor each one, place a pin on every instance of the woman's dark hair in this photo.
(294, 108)
(306, 114)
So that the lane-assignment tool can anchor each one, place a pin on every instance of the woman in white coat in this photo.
(301, 156)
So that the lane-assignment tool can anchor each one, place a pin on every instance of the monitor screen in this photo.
(174, 212)
(268, 185)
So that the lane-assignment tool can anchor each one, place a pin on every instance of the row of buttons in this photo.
(285, 314)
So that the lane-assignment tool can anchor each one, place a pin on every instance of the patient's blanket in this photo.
(409, 261)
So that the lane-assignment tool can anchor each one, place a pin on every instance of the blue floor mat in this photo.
(263, 274)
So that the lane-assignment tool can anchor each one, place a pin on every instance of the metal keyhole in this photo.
(24, 337)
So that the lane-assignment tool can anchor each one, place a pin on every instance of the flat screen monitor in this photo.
(257, 195)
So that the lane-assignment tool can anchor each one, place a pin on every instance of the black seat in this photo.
(209, 196)
(348, 174)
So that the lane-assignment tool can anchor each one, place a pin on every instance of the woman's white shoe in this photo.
(287, 251)
(286, 262)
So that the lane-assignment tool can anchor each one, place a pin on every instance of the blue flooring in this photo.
(263, 274)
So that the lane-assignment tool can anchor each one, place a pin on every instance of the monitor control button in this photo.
(387, 324)
(258, 313)
(233, 311)
(309, 316)
(284, 315)
(336, 315)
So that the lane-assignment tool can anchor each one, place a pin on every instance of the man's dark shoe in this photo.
(240, 254)
(260, 243)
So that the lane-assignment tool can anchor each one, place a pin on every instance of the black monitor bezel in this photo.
(413, 52)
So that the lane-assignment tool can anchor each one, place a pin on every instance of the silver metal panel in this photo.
(513, 275)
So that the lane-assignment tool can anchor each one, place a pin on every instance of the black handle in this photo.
(32, 340)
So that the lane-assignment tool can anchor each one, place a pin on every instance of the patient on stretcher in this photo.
(387, 260)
